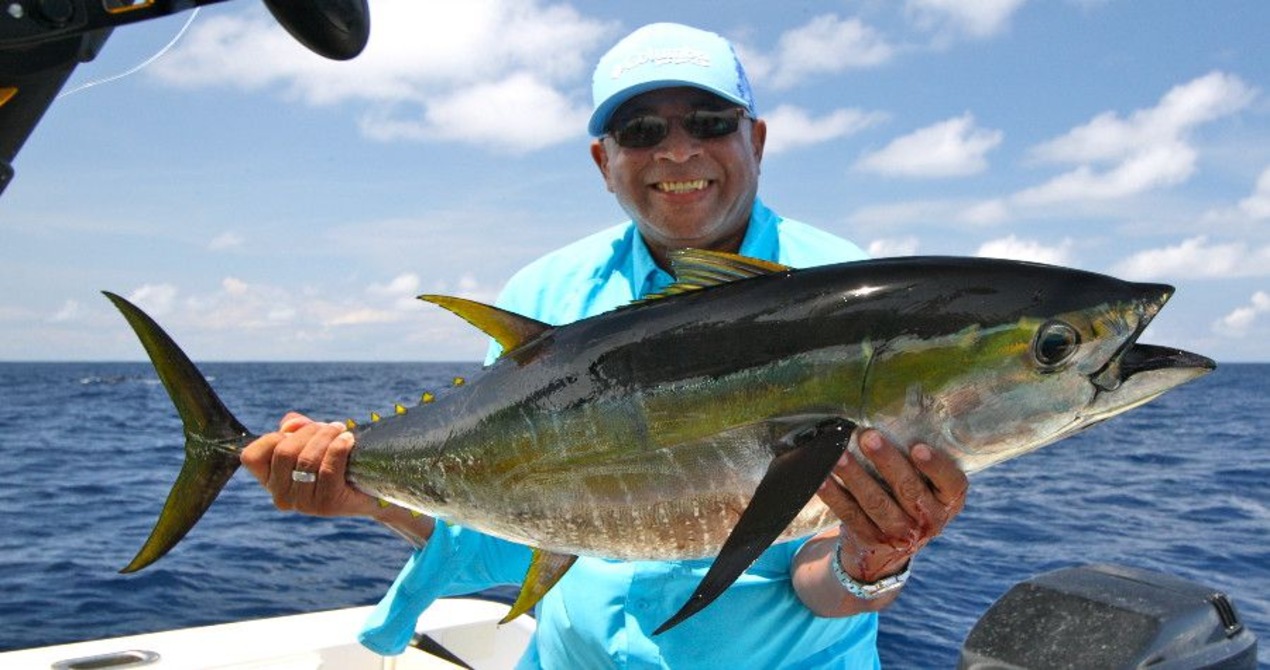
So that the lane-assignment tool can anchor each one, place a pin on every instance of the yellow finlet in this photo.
(399, 408)
(374, 416)
(509, 329)
(459, 381)
(351, 424)
(427, 398)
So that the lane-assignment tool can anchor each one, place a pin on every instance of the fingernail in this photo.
(345, 437)
(843, 462)
(291, 425)
(871, 441)
(922, 453)
(339, 424)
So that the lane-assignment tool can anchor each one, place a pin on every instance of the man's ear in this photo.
(758, 138)
(600, 154)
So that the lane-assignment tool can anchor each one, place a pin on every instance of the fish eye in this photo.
(1055, 343)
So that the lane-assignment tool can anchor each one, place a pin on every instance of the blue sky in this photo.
(266, 204)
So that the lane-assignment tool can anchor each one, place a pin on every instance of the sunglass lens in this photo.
(708, 125)
(642, 132)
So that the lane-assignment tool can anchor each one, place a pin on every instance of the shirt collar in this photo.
(760, 241)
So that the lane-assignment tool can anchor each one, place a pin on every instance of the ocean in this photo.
(1180, 486)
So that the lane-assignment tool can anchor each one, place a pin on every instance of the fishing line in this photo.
(144, 64)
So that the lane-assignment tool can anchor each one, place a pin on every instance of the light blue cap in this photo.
(663, 55)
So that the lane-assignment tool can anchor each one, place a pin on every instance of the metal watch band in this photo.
(861, 590)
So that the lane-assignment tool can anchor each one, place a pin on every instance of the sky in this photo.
(264, 203)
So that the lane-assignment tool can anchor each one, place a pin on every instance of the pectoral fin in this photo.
(791, 480)
(429, 645)
(545, 569)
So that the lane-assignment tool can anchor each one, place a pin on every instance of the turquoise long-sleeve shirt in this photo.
(602, 613)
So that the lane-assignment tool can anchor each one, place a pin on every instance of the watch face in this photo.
(884, 586)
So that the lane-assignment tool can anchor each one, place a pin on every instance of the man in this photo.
(679, 145)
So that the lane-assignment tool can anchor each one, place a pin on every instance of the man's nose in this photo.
(679, 145)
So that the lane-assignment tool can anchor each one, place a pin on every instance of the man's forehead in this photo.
(686, 96)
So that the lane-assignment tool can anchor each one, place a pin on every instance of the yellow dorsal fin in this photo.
(695, 269)
(509, 329)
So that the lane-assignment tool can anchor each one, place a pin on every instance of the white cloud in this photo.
(1257, 205)
(955, 18)
(1166, 164)
(156, 299)
(945, 213)
(478, 115)
(406, 283)
(430, 72)
(1242, 320)
(1196, 258)
(952, 148)
(1027, 250)
(1117, 157)
(402, 292)
(893, 246)
(285, 319)
(825, 45)
(985, 213)
(235, 286)
(226, 240)
(790, 127)
(70, 311)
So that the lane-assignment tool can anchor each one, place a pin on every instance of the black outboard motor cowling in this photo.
(1104, 616)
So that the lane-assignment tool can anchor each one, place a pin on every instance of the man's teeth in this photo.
(681, 186)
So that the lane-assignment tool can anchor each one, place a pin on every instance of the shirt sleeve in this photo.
(455, 561)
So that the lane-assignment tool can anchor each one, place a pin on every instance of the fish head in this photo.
(1029, 354)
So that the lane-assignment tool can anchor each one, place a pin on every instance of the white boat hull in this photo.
(467, 627)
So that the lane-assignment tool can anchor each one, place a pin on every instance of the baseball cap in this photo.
(663, 55)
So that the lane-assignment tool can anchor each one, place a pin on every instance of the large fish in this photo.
(701, 421)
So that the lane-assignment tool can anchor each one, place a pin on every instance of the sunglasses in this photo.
(642, 132)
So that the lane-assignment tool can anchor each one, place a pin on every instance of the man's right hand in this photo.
(306, 446)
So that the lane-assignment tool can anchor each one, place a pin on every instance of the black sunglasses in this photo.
(642, 132)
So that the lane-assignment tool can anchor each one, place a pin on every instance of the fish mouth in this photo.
(1149, 369)
(1141, 358)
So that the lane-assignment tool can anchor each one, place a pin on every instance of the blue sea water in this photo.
(1180, 486)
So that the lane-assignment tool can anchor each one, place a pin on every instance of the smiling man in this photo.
(679, 144)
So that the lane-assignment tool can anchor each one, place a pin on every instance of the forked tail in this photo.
(213, 437)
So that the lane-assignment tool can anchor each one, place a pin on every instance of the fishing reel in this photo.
(42, 41)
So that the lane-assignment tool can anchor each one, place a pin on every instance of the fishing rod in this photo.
(42, 41)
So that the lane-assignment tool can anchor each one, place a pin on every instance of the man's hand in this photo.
(306, 446)
(884, 523)
(886, 520)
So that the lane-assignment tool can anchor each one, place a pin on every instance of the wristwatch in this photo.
(862, 590)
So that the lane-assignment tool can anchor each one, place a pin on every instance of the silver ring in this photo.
(303, 477)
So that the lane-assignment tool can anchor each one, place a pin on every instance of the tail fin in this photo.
(213, 437)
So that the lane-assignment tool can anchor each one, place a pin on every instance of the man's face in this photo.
(684, 191)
